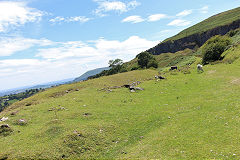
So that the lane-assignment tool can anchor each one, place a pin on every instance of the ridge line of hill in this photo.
(192, 41)
(196, 35)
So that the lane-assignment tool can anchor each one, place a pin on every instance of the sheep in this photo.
(200, 68)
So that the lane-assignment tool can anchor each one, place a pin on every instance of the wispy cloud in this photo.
(156, 17)
(138, 19)
(14, 14)
(10, 46)
(105, 6)
(184, 13)
(59, 19)
(179, 22)
(133, 19)
(204, 9)
(70, 57)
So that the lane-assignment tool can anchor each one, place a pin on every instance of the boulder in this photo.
(3, 119)
(22, 122)
(138, 88)
(4, 126)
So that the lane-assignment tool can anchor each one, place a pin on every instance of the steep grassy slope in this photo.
(210, 23)
(186, 116)
(181, 58)
(197, 35)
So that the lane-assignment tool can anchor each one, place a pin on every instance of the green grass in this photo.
(210, 23)
(166, 60)
(186, 116)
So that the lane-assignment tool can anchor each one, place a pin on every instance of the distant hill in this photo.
(43, 86)
(198, 34)
(90, 73)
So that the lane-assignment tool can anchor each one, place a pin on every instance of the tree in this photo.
(114, 63)
(146, 60)
(214, 47)
(152, 63)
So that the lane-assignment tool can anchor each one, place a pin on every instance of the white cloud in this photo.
(184, 13)
(71, 58)
(59, 19)
(10, 46)
(133, 19)
(204, 9)
(179, 22)
(14, 14)
(156, 17)
(125, 50)
(105, 6)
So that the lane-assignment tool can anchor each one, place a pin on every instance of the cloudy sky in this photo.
(48, 40)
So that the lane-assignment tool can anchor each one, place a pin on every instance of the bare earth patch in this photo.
(236, 81)
(211, 72)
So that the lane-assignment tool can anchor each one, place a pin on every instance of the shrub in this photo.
(214, 47)
(152, 63)
(143, 59)
(134, 68)
(146, 60)
(233, 32)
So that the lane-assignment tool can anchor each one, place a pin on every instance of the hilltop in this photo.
(90, 73)
(195, 36)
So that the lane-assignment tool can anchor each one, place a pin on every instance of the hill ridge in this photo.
(180, 42)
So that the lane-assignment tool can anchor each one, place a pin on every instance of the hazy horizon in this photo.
(44, 41)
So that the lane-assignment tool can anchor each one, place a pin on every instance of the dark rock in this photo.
(87, 114)
(14, 113)
(115, 87)
(28, 104)
(193, 40)
(159, 77)
(5, 130)
(4, 126)
(173, 68)
(127, 86)
(138, 88)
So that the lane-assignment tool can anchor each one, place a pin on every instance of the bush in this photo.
(134, 68)
(233, 32)
(143, 59)
(214, 47)
(152, 63)
(146, 60)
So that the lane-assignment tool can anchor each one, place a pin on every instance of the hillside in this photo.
(186, 116)
(90, 73)
(198, 34)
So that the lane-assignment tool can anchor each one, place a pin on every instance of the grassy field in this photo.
(186, 116)
(210, 23)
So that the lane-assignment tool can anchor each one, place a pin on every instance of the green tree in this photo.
(114, 63)
(214, 47)
(152, 63)
(146, 60)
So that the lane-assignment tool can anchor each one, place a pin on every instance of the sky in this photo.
(49, 40)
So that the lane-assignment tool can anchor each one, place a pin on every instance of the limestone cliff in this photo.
(193, 40)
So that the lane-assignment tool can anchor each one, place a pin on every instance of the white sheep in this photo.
(200, 68)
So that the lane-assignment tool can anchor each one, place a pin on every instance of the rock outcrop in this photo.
(193, 40)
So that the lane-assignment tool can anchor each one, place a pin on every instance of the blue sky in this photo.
(49, 40)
